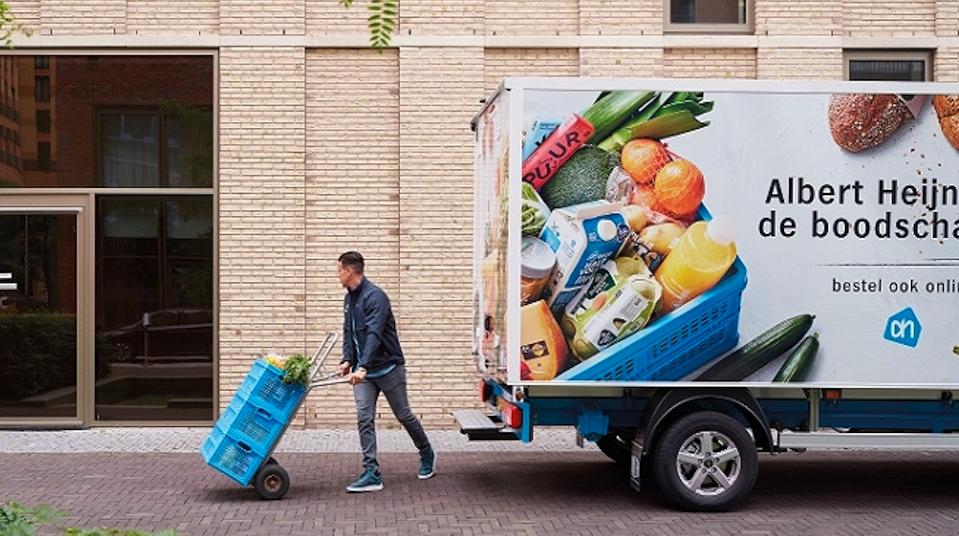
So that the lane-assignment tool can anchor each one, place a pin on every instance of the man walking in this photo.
(374, 362)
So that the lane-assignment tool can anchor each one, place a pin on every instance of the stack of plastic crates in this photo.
(248, 430)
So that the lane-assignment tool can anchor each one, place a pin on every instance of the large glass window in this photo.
(155, 301)
(710, 16)
(128, 130)
(108, 122)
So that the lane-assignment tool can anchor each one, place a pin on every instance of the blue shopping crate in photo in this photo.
(264, 387)
(230, 456)
(677, 343)
(253, 425)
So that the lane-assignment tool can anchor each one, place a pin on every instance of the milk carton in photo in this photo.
(583, 237)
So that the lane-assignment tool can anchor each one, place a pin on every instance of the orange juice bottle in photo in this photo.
(698, 262)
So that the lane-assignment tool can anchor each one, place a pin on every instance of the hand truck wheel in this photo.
(271, 482)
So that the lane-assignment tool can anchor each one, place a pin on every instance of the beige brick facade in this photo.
(325, 145)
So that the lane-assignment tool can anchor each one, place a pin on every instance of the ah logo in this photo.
(903, 328)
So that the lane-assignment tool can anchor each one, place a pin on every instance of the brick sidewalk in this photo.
(485, 492)
(183, 439)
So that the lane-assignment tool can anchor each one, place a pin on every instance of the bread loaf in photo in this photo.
(858, 121)
(947, 110)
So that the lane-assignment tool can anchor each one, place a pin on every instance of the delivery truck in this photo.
(694, 273)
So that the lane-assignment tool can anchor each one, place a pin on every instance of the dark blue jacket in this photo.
(367, 308)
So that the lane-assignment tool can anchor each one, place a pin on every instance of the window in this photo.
(170, 147)
(41, 62)
(41, 88)
(898, 66)
(43, 156)
(43, 121)
(709, 16)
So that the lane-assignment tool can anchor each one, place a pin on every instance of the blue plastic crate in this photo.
(251, 424)
(676, 344)
(264, 387)
(230, 456)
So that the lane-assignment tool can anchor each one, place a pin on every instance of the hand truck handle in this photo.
(322, 352)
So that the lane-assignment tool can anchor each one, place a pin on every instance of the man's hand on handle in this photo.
(356, 377)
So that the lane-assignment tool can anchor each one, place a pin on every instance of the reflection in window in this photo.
(168, 148)
(129, 149)
(88, 108)
(41, 90)
(155, 303)
(903, 71)
(43, 121)
(707, 11)
(189, 145)
(43, 156)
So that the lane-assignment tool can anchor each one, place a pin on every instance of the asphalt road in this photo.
(484, 492)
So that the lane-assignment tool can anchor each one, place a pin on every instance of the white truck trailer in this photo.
(693, 272)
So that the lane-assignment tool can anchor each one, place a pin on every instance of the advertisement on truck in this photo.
(693, 231)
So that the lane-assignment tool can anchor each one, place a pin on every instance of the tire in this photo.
(271, 482)
(705, 462)
(616, 447)
(122, 352)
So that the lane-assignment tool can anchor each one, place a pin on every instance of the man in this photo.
(374, 362)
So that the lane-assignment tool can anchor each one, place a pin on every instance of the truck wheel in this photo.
(616, 447)
(271, 482)
(705, 462)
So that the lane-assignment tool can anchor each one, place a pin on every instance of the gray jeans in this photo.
(393, 385)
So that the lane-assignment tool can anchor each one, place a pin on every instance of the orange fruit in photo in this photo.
(679, 188)
(644, 196)
(642, 159)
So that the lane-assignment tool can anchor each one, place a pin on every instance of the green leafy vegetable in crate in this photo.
(296, 369)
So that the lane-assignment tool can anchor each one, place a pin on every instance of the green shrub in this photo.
(18, 520)
(38, 354)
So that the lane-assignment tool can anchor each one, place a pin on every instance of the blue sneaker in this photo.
(370, 480)
(427, 466)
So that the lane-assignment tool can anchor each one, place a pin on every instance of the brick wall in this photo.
(544, 17)
(889, 17)
(621, 17)
(631, 62)
(173, 17)
(352, 203)
(799, 64)
(262, 207)
(438, 97)
(326, 146)
(83, 17)
(709, 63)
(786, 17)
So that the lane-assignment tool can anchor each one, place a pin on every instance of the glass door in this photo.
(40, 301)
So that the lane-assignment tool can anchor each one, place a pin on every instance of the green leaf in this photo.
(9, 25)
(381, 22)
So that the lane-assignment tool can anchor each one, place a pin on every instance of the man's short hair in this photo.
(352, 259)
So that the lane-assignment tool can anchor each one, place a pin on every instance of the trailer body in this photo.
(845, 201)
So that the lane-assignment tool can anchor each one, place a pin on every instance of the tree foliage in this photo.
(381, 21)
(9, 25)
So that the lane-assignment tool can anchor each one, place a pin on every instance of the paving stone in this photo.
(154, 479)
